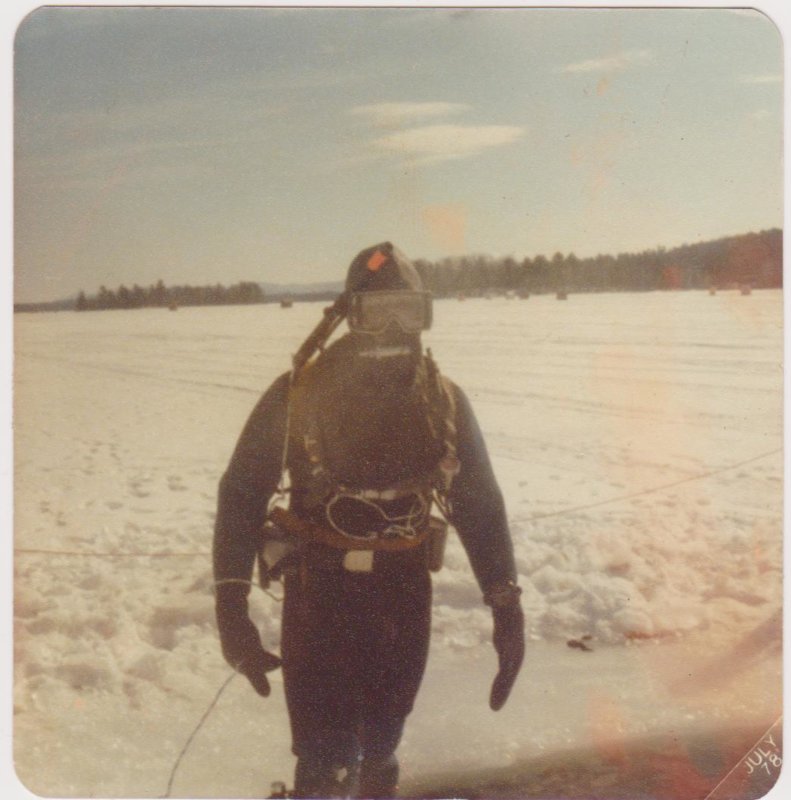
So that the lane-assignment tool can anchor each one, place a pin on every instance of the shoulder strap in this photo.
(442, 411)
(305, 436)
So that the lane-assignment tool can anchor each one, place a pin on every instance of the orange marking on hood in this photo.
(376, 260)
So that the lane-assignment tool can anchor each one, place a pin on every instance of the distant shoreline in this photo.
(753, 260)
(324, 297)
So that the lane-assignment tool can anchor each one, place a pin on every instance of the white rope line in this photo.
(534, 517)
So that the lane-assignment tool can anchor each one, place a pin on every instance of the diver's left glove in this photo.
(241, 643)
(508, 639)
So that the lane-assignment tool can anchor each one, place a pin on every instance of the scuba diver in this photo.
(382, 452)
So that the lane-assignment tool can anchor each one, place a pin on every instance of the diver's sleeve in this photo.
(477, 506)
(248, 483)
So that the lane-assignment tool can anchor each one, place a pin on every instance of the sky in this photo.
(202, 145)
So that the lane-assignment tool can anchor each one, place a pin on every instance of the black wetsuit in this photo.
(354, 644)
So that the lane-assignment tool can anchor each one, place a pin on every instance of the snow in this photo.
(637, 442)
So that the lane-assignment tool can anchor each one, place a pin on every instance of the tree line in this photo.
(754, 258)
(159, 295)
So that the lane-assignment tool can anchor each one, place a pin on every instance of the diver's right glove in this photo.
(241, 643)
(508, 639)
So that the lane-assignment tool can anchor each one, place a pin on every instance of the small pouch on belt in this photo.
(435, 546)
(358, 560)
(274, 553)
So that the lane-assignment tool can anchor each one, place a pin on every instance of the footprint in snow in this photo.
(136, 486)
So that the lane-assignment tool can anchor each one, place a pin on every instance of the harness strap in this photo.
(443, 422)
(311, 533)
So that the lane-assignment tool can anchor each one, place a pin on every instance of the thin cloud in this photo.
(613, 63)
(433, 143)
(759, 79)
(386, 114)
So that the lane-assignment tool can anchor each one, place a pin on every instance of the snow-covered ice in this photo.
(637, 440)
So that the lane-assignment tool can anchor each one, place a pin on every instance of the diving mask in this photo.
(372, 312)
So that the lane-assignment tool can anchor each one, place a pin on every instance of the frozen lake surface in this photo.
(637, 440)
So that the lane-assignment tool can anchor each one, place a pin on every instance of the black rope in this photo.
(195, 732)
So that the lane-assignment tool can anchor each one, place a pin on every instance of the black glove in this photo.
(508, 639)
(241, 644)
